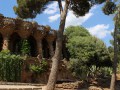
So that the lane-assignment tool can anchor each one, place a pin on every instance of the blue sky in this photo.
(95, 21)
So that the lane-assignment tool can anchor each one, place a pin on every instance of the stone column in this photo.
(39, 47)
(51, 50)
(5, 43)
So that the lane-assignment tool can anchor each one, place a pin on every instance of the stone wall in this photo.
(64, 75)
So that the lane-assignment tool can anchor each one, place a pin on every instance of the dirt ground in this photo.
(104, 84)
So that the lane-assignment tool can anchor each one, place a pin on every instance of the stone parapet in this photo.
(24, 28)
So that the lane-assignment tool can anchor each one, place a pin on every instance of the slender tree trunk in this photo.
(58, 51)
(113, 77)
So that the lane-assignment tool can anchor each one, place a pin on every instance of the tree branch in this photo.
(63, 16)
(60, 6)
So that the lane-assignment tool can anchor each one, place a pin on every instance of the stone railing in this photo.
(8, 21)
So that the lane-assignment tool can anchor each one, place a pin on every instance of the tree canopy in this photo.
(30, 8)
(79, 31)
(109, 8)
(85, 51)
(86, 48)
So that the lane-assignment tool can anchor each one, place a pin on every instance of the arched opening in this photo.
(33, 46)
(45, 49)
(54, 45)
(65, 52)
(1, 41)
(14, 44)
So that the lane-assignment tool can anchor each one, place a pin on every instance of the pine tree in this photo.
(111, 8)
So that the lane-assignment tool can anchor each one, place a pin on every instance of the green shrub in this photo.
(99, 71)
(78, 69)
(106, 71)
(93, 71)
(39, 69)
(10, 66)
(83, 72)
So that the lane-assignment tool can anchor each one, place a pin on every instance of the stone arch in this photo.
(14, 44)
(1, 41)
(45, 48)
(33, 46)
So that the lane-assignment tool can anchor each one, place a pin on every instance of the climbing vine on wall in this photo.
(10, 66)
(25, 47)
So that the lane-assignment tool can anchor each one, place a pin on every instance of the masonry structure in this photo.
(41, 38)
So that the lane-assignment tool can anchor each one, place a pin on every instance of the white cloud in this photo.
(54, 17)
(52, 8)
(74, 21)
(101, 30)
(71, 18)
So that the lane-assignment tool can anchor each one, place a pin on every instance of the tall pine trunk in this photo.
(113, 77)
(58, 51)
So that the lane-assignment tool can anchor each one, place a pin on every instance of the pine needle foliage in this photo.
(29, 8)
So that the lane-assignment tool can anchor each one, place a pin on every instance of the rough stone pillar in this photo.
(39, 47)
(5, 43)
(51, 50)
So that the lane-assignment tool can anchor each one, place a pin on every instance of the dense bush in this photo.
(78, 69)
(83, 72)
(118, 68)
(86, 48)
(10, 66)
(102, 72)
(39, 69)
(86, 51)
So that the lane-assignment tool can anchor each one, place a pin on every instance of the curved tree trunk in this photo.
(58, 51)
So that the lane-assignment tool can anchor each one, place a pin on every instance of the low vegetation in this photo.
(39, 68)
(10, 66)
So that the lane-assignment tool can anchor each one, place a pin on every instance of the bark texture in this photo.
(58, 51)
(113, 77)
